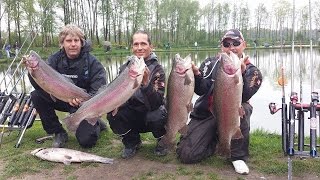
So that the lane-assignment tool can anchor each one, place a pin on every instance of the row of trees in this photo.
(179, 22)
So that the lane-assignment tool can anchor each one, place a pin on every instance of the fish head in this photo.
(137, 66)
(230, 63)
(181, 65)
(32, 60)
(34, 152)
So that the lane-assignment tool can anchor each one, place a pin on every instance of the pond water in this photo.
(269, 61)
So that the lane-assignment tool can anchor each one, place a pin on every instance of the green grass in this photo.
(265, 150)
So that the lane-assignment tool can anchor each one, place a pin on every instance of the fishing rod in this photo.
(293, 96)
(314, 99)
(30, 119)
(301, 109)
(293, 100)
(24, 110)
(15, 111)
(6, 113)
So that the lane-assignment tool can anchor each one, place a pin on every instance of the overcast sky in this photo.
(254, 3)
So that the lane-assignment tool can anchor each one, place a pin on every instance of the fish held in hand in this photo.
(110, 97)
(179, 96)
(51, 81)
(227, 97)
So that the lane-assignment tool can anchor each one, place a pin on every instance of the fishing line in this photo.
(23, 72)
(311, 51)
(213, 67)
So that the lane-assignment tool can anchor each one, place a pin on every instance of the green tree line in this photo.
(178, 22)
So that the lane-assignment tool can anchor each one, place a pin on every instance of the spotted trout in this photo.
(67, 156)
(227, 97)
(179, 95)
(112, 96)
(51, 81)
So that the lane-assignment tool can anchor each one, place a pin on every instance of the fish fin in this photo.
(107, 161)
(102, 88)
(115, 111)
(135, 84)
(54, 99)
(211, 104)
(237, 135)
(145, 80)
(183, 130)
(68, 79)
(68, 121)
(241, 112)
(92, 121)
(187, 80)
(67, 157)
(236, 79)
(190, 107)
(167, 142)
(223, 149)
(67, 162)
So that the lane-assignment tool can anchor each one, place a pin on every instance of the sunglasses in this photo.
(234, 44)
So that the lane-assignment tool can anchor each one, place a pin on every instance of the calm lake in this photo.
(268, 60)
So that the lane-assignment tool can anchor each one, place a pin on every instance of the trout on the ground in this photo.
(179, 95)
(68, 156)
(227, 97)
(110, 97)
(51, 81)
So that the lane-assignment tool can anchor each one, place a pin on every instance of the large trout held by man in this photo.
(51, 81)
(227, 97)
(179, 95)
(110, 97)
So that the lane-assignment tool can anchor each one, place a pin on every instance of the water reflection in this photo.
(268, 60)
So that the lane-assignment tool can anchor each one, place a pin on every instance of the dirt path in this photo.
(140, 168)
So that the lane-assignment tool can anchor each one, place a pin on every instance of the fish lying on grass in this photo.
(179, 96)
(67, 156)
(227, 97)
(51, 81)
(110, 97)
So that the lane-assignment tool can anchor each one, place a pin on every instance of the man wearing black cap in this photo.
(201, 139)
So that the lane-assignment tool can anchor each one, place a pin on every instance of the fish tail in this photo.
(69, 123)
(223, 149)
(106, 161)
(167, 142)
(237, 134)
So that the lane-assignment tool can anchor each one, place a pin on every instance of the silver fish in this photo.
(67, 156)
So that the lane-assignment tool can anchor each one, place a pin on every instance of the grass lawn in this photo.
(265, 149)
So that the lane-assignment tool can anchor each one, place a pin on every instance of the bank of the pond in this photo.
(266, 162)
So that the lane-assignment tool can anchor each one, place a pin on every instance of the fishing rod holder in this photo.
(294, 139)
(17, 114)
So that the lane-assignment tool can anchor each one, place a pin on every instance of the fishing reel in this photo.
(273, 108)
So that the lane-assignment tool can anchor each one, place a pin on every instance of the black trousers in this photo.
(86, 134)
(201, 139)
(129, 123)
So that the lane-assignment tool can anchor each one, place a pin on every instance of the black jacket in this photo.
(252, 79)
(85, 71)
(150, 97)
